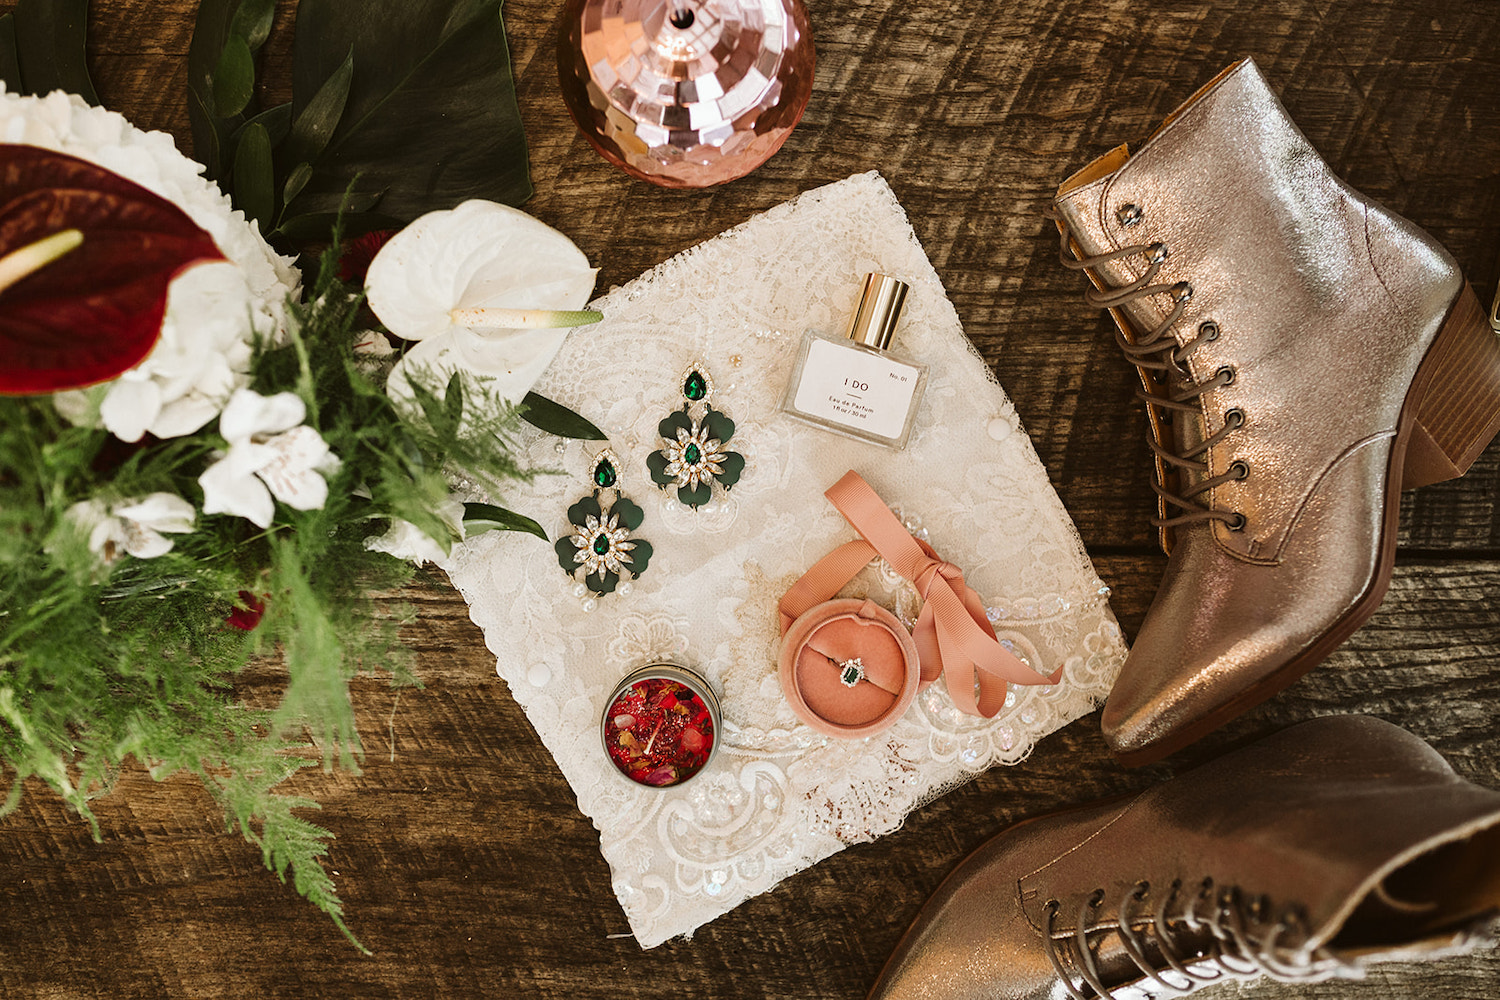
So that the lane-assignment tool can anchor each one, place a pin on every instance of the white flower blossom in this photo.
(272, 456)
(476, 257)
(135, 527)
(406, 541)
(214, 309)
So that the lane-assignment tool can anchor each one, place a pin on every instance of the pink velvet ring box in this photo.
(849, 668)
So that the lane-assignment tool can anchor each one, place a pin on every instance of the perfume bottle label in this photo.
(857, 389)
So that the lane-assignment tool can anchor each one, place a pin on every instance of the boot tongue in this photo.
(1188, 432)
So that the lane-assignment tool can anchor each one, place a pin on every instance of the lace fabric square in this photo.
(779, 796)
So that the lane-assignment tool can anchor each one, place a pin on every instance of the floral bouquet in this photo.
(203, 462)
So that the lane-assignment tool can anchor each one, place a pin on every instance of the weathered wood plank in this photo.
(461, 857)
(464, 862)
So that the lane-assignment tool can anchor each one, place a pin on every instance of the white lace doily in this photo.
(779, 796)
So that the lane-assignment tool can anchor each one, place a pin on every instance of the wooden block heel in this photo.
(1459, 410)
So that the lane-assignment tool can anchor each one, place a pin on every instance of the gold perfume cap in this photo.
(874, 322)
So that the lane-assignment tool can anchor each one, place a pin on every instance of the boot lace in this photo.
(1157, 354)
(1201, 936)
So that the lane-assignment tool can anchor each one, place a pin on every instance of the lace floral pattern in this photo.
(779, 796)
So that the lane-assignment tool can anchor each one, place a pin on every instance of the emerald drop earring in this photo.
(602, 547)
(693, 455)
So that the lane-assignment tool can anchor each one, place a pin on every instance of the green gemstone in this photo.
(696, 386)
(604, 474)
(851, 672)
(601, 544)
(691, 454)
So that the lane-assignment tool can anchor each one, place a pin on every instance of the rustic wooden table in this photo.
(461, 857)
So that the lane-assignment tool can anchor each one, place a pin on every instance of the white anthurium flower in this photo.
(406, 541)
(272, 456)
(485, 289)
(135, 527)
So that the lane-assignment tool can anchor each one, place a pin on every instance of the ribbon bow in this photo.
(953, 636)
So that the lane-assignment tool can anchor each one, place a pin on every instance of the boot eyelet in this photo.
(1225, 375)
(1236, 523)
(1182, 292)
(1157, 253)
(1208, 330)
(1096, 899)
(1130, 215)
(1239, 469)
(1234, 417)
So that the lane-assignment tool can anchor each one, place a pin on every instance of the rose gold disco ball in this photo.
(686, 93)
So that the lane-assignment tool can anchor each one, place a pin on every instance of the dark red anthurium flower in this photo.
(249, 615)
(355, 259)
(96, 310)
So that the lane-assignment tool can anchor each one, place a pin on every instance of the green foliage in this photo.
(41, 48)
(102, 660)
(409, 102)
(431, 116)
(554, 418)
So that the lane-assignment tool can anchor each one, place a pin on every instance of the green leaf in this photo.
(453, 399)
(234, 78)
(296, 181)
(482, 517)
(50, 47)
(315, 123)
(318, 226)
(207, 146)
(210, 32)
(432, 409)
(254, 186)
(555, 418)
(277, 120)
(432, 115)
(10, 62)
(252, 22)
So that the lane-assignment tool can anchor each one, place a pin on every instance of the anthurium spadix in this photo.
(484, 289)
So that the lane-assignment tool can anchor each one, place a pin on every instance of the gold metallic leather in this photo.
(1326, 303)
(1354, 823)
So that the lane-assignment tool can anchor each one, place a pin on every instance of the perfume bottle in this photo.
(852, 385)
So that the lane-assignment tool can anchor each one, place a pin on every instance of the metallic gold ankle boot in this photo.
(1304, 353)
(1332, 845)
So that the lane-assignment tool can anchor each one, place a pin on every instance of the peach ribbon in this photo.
(954, 638)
